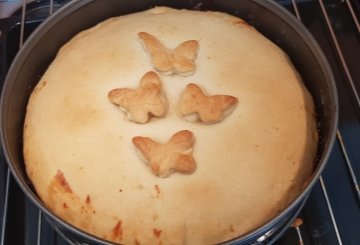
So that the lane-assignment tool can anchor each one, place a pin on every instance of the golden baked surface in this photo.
(79, 149)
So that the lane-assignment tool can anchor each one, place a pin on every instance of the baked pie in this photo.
(242, 168)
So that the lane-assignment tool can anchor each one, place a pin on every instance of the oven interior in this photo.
(331, 214)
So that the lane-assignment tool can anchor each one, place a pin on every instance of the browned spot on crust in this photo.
(231, 228)
(240, 22)
(308, 108)
(158, 191)
(137, 242)
(157, 232)
(85, 209)
(120, 190)
(76, 115)
(41, 85)
(67, 204)
(60, 178)
(88, 200)
(117, 231)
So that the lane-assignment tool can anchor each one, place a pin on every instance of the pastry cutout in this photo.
(196, 106)
(168, 61)
(144, 102)
(164, 159)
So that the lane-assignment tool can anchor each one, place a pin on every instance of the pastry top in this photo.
(79, 150)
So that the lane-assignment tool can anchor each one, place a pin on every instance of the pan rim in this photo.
(71, 7)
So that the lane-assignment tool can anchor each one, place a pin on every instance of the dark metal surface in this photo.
(332, 213)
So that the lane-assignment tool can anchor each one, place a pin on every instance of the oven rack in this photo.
(332, 213)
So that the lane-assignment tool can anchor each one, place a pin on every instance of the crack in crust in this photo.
(196, 106)
(168, 61)
(173, 156)
(144, 102)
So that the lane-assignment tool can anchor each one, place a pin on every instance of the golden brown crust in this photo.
(60, 181)
(168, 61)
(141, 103)
(117, 231)
(64, 202)
(164, 159)
(210, 109)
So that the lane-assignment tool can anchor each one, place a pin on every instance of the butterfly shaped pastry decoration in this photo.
(168, 61)
(149, 100)
(196, 106)
(173, 156)
(144, 102)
